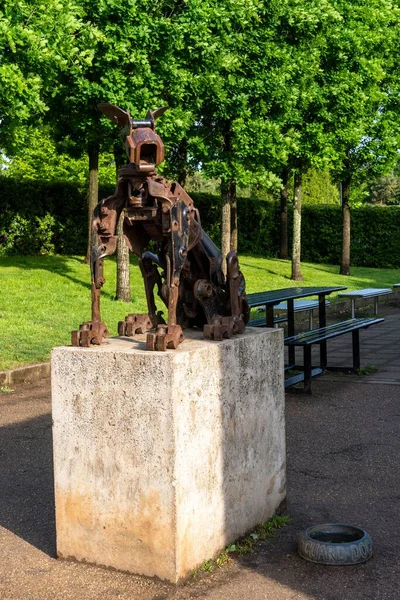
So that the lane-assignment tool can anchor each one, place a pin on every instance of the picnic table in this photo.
(365, 293)
(270, 300)
(273, 298)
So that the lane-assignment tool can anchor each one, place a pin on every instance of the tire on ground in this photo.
(335, 544)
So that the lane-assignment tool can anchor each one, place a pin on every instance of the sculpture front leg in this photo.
(105, 219)
(94, 331)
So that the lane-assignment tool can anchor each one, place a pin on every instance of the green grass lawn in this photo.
(43, 298)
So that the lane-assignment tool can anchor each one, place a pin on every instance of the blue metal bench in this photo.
(317, 336)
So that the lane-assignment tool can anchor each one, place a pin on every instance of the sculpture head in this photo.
(143, 146)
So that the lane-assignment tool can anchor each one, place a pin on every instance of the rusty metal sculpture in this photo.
(191, 282)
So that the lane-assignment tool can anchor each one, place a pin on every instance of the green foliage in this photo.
(37, 43)
(47, 218)
(375, 240)
(319, 189)
(367, 370)
(385, 190)
(321, 233)
(42, 217)
(40, 159)
(196, 182)
(375, 236)
(257, 222)
(30, 236)
(358, 77)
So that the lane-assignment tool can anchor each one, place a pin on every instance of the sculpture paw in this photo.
(223, 328)
(133, 324)
(92, 332)
(165, 337)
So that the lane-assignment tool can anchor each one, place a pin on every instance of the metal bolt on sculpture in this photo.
(187, 268)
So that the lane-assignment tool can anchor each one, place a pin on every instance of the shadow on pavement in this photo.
(26, 482)
(342, 456)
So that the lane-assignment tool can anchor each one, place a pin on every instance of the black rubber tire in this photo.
(335, 544)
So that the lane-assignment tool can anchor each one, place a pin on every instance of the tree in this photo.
(318, 188)
(41, 159)
(106, 75)
(338, 116)
(385, 190)
(300, 116)
(359, 75)
(37, 43)
(236, 68)
(135, 49)
(123, 290)
(296, 244)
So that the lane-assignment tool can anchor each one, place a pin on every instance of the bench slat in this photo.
(319, 335)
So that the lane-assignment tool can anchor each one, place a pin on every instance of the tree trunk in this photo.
(345, 262)
(284, 252)
(93, 196)
(296, 248)
(123, 291)
(227, 186)
(234, 222)
(225, 221)
(182, 162)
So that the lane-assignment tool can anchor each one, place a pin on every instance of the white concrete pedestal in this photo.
(162, 459)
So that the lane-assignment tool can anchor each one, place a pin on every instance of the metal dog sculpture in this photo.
(187, 266)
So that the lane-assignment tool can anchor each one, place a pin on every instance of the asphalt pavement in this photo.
(343, 450)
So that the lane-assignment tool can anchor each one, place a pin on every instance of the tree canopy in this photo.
(254, 88)
(37, 42)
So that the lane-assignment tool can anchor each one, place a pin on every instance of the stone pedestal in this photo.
(161, 459)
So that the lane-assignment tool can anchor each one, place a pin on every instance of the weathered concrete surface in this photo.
(161, 459)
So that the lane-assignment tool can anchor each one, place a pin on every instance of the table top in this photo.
(366, 293)
(273, 297)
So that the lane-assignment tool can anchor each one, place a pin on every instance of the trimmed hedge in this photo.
(375, 235)
(43, 218)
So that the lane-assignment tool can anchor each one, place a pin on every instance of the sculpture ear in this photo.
(116, 114)
(154, 114)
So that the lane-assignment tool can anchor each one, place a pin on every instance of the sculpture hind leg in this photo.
(171, 334)
(239, 306)
(220, 326)
(141, 323)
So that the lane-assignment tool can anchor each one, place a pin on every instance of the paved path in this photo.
(343, 453)
(379, 348)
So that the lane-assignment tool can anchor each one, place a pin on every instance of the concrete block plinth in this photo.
(161, 459)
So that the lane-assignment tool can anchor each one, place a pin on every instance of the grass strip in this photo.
(43, 298)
